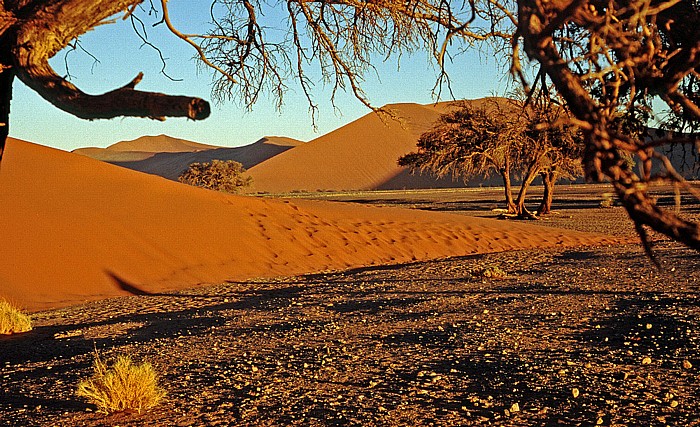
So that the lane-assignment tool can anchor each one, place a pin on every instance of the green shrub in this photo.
(12, 321)
(219, 175)
(121, 385)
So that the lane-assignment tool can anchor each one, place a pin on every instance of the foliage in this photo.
(13, 321)
(493, 272)
(219, 175)
(468, 141)
(120, 385)
(522, 138)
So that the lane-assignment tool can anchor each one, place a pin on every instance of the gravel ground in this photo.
(585, 336)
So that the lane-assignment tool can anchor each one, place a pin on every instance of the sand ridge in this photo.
(75, 229)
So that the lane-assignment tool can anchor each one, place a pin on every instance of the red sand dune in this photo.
(361, 155)
(75, 229)
(159, 144)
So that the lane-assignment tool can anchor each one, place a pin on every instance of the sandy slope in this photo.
(361, 155)
(76, 229)
(142, 148)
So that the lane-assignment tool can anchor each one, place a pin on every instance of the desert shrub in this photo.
(121, 385)
(219, 175)
(493, 272)
(607, 201)
(13, 321)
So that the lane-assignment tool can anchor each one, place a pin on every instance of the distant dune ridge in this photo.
(361, 155)
(168, 157)
(75, 229)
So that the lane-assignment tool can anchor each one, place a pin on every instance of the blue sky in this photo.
(122, 55)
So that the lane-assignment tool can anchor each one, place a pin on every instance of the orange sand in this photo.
(73, 229)
(361, 155)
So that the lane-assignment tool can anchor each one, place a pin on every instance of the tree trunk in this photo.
(510, 205)
(508, 186)
(520, 208)
(548, 182)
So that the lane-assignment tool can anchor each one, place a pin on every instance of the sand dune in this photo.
(75, 229)
(361, 155)
(142, 148)
(169, 157)
(159, 144)
(171, 165)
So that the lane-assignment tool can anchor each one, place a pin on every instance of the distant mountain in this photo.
(169, 157)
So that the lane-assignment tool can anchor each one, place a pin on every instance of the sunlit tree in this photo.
(507, 137)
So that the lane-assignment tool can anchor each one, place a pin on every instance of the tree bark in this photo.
(508, 187)
(530, 175)
(548, 181)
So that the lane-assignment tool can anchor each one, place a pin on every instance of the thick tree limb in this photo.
(125, 101)
(49, 29)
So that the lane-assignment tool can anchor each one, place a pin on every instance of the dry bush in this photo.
(219, 175)
(121, 385)
(493, 272)
(12, 321)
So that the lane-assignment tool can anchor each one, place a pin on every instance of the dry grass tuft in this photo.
(121, 385)
(493, 272)
(12, 321)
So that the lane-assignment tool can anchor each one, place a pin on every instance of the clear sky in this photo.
(122, 55)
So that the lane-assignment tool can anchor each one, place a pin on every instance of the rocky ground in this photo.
(585, 336)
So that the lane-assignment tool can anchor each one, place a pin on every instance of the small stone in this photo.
(646, 361)
(687, 364)
(599, 421)
(515, 408)
(674, 403)
(649, 326)
(575, 392)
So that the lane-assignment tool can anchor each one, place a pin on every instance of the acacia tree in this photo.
(471, 141)
(512, 138)
(559, 142)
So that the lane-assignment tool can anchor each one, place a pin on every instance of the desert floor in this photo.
(577, 336)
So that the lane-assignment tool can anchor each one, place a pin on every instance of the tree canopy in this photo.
(220, 175)
(506, 136)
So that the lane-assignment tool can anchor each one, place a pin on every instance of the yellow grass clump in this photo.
(121, 386)
(12, 321)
